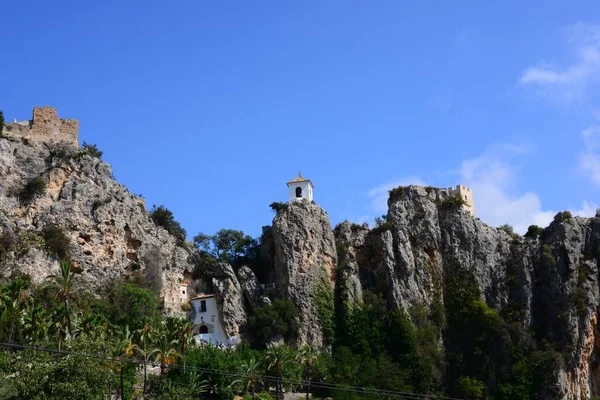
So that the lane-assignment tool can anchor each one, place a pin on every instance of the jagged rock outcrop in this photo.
(110, 230)
(250, 286)
(305, 261)
(549, 284)
(230, 299)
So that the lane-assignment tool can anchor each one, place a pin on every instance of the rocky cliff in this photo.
(547, 285)
(305, 261)
(110, 231)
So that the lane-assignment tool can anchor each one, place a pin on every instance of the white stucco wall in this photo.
(307, 190)
(210, 318)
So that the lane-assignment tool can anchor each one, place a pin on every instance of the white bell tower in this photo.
(300, 188)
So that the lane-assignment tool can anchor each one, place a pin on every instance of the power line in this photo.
(267, 378)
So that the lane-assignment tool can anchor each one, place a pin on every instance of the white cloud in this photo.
(491, 176)
(589, 160)
(379, 195)
(572, 81)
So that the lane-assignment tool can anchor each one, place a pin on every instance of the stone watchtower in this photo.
(467, 195)
(300, 188)
(45, 126)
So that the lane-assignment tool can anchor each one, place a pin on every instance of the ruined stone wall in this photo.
(45, 126)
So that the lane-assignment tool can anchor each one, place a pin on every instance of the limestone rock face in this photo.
(553, 279)
(110, 230)
(230, 299)
(305, 262)
(250, 286)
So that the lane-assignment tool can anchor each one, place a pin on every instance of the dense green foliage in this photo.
(34, 187)
(163, 217)
(92, 150)
(453, 201)
(56, 241)
(1, 123)
(563, 216)
(534, 231)
(277, 206)
(273, 321)
(229, 246)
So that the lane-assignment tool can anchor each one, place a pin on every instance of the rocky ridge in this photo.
(551, 281)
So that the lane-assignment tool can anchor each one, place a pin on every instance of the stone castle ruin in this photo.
(45, 126)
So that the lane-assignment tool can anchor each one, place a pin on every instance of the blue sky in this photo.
(210, 107)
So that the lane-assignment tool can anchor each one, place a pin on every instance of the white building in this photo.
(300, 188)
(207, 322)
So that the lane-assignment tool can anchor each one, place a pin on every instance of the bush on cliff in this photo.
(164, 218)
(56, 241)
(92, 150)
(272, 321)
(534, 231)
(1, 123)
(34, 188)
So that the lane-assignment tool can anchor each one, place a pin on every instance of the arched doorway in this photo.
(298, 192)
(203, 329)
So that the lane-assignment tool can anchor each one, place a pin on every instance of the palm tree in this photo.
(95, 326)
(186, 338)
(13, 296)
(250, 370)
(307, 356)
(36, 322)
(124, 350)
(165, 354)
(66, 282)
(277, 357)
(144, 335)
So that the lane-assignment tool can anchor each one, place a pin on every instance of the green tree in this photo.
(534, 231)
(92, 150)
(164, 218)
(131, 304)
(165, 353)
(66, 283)
(307, 356)
(144, 338)
(230, 246)
(125, 350)
(278, 357)
(272, 321)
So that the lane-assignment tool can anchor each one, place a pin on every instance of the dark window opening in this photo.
(203, 306)
(298, 192)
(465, 197)
(203, 329)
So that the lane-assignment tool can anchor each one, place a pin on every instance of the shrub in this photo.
(57, 242)
(273, 320)
(469, 388)
(186, 307)
(548, 260)
(386, 226)
(1, 122)
(324, 303)
(396, 194)
(163, 217)
(509, 229)
(7, 241)
(453, 202)
(35, 187)
(563, 216)
(534, 231)
(130, 304)
(92, 150)
(277, 206)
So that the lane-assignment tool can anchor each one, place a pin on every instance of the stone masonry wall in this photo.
(45, 126)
